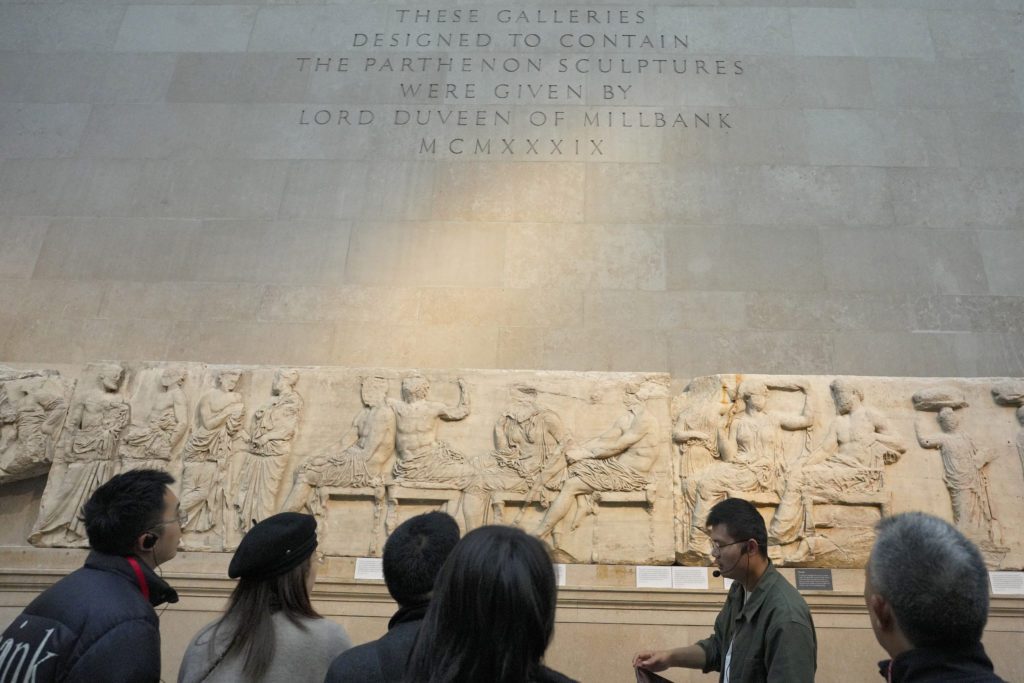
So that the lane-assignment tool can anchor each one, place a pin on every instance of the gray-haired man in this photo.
(926, 589)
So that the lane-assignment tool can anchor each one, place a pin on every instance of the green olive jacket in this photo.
(772, 635)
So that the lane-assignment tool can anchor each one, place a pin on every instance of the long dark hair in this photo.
(249, 612)
(492, 613)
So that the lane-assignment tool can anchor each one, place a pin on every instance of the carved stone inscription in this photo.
(495, 82)
(598, 464)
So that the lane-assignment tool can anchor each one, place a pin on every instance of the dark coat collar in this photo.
(159, 590)
(939, 664)
(407, 613)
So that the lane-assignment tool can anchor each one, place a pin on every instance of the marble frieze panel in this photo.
(824, 458)
(606, 467)
(580, 459)
(33, 408)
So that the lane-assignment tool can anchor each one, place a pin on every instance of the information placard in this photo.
(369, 568)
(814, 579)
(1007, 583)
(653, 577)
(690, 578)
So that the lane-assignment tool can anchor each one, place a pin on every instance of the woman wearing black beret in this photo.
(283, 637)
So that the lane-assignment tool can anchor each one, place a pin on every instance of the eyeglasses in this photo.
(716, 549)
(181, 519)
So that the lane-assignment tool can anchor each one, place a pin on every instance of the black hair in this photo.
(121, 510)
(414, 554)
(492, 614)
(742, 520)
(249, 618)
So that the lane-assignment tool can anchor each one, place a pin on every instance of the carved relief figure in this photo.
(1020, 435)
(421, 455)
(1011, 393)
(849, 459)
(423, 458)
(362, 459)
(150, 445)
(530, 443)
(32, 413)
(966, 478)
(621, 459)
(751, 454)
(218, 434)
(273, 429)
(708, 403)
(86, 459)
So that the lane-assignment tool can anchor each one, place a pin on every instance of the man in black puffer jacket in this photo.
(413, 556)
(98, 623)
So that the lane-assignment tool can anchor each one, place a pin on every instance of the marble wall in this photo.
(836, 187)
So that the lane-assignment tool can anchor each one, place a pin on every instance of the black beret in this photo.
(275, 546)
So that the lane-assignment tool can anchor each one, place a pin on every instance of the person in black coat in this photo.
(413, 556)
(98, 623)
(492, 615)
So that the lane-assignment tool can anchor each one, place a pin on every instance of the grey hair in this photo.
(934, 579)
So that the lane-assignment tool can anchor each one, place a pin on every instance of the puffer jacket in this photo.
(96, 624)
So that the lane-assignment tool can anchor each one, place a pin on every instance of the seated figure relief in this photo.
(849, 459)
(33, 407)
(150, 445)
(751, 454)
(620, 459)
(422, 458)
(530, 446)
(362, 459)
(85, 458)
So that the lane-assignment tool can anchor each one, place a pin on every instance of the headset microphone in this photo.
(717, 573)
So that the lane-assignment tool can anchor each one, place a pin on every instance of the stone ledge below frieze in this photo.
(592, 594)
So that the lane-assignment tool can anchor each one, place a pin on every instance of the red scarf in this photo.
(140, 577)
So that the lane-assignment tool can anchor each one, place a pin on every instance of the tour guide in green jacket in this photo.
(764, 632)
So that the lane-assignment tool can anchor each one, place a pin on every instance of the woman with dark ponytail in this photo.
(270, 631)
(492, 613)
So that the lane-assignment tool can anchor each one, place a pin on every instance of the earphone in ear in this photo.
(148, 541)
